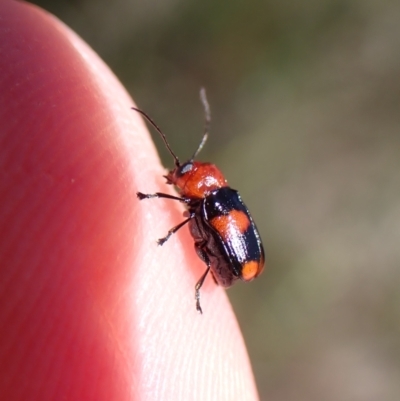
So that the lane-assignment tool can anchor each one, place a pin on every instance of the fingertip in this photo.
(68, 214)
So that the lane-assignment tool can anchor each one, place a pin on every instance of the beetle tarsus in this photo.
(162, 241)
(197, 297)
(141, 195)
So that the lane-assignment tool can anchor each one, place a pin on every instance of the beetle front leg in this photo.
(142, 196)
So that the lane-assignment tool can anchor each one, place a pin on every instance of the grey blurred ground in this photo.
(305, 100)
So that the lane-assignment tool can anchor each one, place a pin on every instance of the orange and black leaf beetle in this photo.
(225, 236)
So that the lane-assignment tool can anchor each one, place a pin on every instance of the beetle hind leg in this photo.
(200, 283)
(215, 280)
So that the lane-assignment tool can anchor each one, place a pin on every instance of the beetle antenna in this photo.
(207, 121)
(160, 132)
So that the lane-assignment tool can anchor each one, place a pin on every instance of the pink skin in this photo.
(90, 307)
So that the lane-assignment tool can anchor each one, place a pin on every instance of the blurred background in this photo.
(305, 102)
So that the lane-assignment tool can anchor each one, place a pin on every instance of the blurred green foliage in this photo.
(305, 99)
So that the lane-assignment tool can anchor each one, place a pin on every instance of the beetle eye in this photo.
(186, 167)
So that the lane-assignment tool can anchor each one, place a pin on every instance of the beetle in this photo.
(224, 233)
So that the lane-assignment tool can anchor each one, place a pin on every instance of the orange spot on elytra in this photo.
(236, 222)
(250, 270)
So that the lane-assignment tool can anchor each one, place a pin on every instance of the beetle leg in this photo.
(199, 284)
(173, 230)
(142, 196)
(215, 280)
